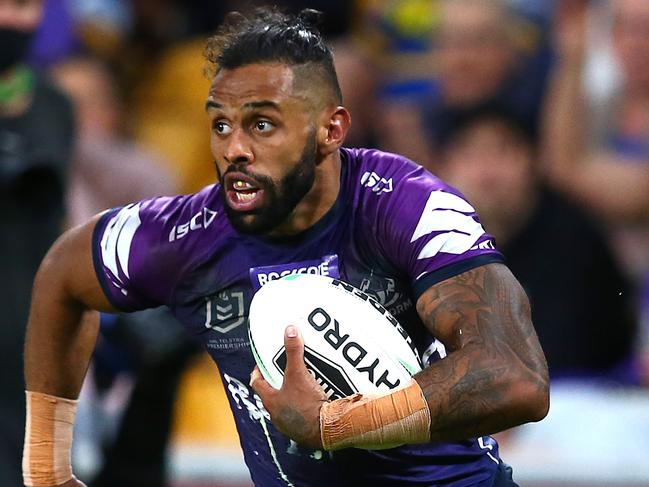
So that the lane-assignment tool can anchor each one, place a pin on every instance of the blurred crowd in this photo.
(538, 111)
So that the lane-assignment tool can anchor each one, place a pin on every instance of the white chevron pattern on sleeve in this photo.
(116, 242)
(451, 215)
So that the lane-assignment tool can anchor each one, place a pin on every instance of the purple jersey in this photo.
(394, 231)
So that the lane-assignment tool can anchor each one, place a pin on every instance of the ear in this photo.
(333, 130)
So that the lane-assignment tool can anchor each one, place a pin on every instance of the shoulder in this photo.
(177, 228)
(143, 249)
(420, 224)
(389, 164)
(390, 182)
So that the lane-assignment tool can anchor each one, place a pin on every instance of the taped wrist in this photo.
(376, 422)
(48, 440)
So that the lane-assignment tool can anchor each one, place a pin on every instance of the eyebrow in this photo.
(262, 104)
(252, 104)
(212, 104)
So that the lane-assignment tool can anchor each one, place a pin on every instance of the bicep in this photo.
(485, 308)
(68, 272)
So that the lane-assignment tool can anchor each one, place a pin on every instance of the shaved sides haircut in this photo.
(268, 35)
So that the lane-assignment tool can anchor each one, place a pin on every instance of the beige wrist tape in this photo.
(48, 440)
(376, 422)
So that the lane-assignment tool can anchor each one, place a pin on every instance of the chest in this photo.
(214, 301)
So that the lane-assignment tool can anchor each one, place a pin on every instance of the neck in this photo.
(318, 201)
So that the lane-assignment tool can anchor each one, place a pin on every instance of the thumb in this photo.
(294, 345)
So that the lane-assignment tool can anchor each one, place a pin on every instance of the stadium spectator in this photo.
(359, 83)
(482, 50)
(396, 36)
(36, 129)
(592, 155)
(109, 170)
(161, 114)
(597, 153)
(582, 304)
(56, 37)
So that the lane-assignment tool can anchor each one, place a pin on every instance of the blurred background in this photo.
(537, 110)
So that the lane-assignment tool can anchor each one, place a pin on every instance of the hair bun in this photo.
(311, 18)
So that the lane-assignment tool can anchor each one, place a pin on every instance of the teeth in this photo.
(245, 197)
(238, 184)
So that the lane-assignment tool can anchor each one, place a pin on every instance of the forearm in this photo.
(435, 407)
(59, 344)
(594, 178)
(61, 335)
(587, 172)
(563, 123)
(563, 142)
(495, 375)
(57, 353)
(470, 397)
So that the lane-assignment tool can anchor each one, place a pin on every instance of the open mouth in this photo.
(242, 192)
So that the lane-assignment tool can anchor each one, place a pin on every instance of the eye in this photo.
(264, 126)
(221, 127)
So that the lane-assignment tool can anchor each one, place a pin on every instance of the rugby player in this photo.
(291, 198)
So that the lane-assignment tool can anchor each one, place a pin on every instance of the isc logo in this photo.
(376, 183)
(202, 219)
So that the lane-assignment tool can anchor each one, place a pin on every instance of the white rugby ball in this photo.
(352, 343)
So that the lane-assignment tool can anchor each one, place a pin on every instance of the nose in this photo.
(239, 148)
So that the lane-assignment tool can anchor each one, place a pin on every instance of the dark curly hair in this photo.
(269, 35)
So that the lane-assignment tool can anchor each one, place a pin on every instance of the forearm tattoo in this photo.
(495, 365)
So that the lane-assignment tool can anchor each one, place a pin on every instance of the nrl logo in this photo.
(225, 311)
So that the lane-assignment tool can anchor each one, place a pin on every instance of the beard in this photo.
(281, 197)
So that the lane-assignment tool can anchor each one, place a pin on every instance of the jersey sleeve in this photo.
(430, 231)
(132, 258)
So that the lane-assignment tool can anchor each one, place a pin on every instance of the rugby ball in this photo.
(351, 342)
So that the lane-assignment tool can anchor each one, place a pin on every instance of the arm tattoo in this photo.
(495, 372)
